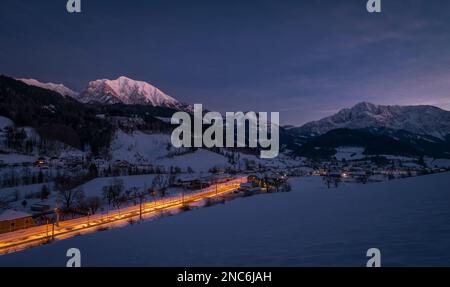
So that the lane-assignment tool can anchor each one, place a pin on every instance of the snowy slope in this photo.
(5, 122)
(127, 91)
(15, 158)
(95, 187)
(310, 226)
(200, 161)
(426, 120)
(139, 147)
(59, 88)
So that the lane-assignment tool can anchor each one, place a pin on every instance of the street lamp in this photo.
(182, 195)
(53, 231)
(141, 198)
(57, 216)
(46, 225)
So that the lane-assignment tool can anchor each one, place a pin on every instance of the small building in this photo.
(245, 186)
(121, 164)
(12, 220)
(192, 182)
(219, 179)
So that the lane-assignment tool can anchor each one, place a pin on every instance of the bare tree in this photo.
(114, 193)
(160, 184)
(93, 203)
(68, 193)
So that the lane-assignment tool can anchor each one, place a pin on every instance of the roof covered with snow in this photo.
(10, 214)
(5, 122)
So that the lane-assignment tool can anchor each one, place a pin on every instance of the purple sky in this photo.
(305, 59)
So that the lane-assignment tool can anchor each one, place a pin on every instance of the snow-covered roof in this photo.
(245, 184)
(5, 122)
(10, 214)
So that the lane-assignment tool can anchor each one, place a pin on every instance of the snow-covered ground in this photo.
(200, 161)
(14, 158)
(23, 190)
(139, 147)
(440, 162)
(5, 122)
(349, 153)
(91, 188)
(95, 186)
(407, 219)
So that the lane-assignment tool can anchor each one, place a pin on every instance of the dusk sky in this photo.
(304, 59)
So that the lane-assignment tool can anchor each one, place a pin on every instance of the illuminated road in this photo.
(21, 239)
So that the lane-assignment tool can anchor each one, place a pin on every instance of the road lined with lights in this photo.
(21, 239)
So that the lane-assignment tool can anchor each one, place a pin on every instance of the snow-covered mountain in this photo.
(424, 120)
(126, 91)
(59, 88)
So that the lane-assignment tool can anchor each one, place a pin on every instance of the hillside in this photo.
(59, 88)
(126, 91)
(395, 130)
(53, 116)
(422, 120)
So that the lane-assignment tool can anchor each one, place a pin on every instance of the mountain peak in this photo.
(59, 88)
(126, 91)
(425, 120)
(124, 78)
(364, 105)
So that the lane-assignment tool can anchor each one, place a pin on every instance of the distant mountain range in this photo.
(402, 130)
(62, 118)
(421, 120)
(122, 90)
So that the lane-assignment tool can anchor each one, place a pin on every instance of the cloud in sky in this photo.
(303, 58)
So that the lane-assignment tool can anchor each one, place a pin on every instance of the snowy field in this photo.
(5, 122)
(140, 147)
(407, 219)
(349, 153)
(95, 186)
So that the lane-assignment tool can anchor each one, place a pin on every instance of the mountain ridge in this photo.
(59, 88)
(122, 90)
(423, 120)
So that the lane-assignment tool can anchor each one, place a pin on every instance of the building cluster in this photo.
(368, 169)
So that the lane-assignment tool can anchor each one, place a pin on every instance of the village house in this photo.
(245, 186)
(121, 167)
(144, 167)
(217, 179)
(12, 220)
(192, 182)
(248, 188)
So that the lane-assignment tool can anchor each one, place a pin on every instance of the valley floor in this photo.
(407, 219)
